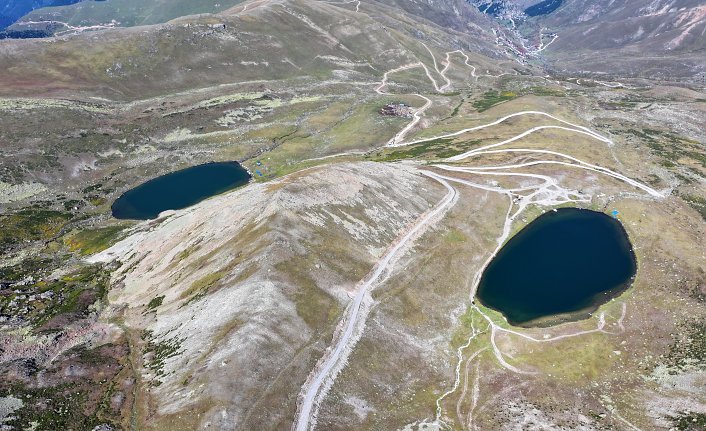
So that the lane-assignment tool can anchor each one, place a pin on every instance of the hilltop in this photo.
(394, 147)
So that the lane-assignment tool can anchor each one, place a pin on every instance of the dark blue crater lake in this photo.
(560, 267)
(179, 189)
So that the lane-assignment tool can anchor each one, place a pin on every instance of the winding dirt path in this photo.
(547, 192)
(354, 319)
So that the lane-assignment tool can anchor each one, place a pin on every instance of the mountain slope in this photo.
(262, 43)
(12, 10)
(265, 293)
(125, 13)
(394, 146)
(659, 26)
(617, 33)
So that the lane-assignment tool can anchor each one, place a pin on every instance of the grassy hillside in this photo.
(215, 316)
(12, 10)
(126, 13)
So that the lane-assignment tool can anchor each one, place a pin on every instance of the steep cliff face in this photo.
(648, 38)
(652, 25)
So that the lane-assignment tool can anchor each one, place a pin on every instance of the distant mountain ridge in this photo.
(517, 8)
(661, 37)
(664, 25)
(630, 37)
(671, 24)
(123, 13)
(13, 10)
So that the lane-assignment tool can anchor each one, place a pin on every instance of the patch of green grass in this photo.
(74, 204)
(92, 241)
(684, 179)
(545, 91)
(690, 422)
(467, 321)
(625, 104)
(96, 194)
(435, 149)
(671, 148)
(222, 333)
(417, 150)
(155, 302)
(51, 408)
(30, 225)
(96, 201)
(454, 236)
(200, 287)
(654, 180)
(463, 330)
(314, 305)
(92, 279)
(696, 202)
(188, 252)
(34, 266)
(40, 300)
(92, 188)
(689, 348)
(492, 98)
(157, 352)
(456, 109)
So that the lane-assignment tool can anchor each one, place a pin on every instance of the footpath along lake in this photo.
(179, 189)
(562, 266)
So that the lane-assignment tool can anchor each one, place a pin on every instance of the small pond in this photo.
(179, 189)
(562, 266)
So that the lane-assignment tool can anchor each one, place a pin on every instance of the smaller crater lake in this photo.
(560, 267)
(179, 189)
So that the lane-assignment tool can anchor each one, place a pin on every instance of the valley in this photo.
(336, 288)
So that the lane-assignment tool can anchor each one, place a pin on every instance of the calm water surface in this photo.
(179, 189)
(560, 267)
